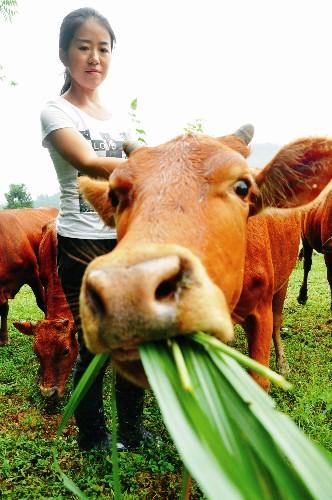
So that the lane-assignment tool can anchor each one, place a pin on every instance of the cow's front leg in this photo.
(4, 327)
(258, 327)
(328, 262)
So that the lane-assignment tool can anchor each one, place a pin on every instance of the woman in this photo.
(82, 138)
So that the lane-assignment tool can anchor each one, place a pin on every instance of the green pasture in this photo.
(28, 425)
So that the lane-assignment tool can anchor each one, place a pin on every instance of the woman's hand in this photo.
(75, 149)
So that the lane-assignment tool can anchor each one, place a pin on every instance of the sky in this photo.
(228, 63)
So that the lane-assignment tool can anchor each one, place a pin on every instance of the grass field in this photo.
(28, 426)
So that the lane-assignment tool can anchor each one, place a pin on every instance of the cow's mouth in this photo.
(130, 368)
(125, 354)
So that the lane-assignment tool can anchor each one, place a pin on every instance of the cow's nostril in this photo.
(168, 288)
(95, 302)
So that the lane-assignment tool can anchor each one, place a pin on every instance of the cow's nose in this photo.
(153, 293)
(150, 288)
(48, 392)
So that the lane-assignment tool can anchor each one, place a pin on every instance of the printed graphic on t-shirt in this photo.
(111, 147)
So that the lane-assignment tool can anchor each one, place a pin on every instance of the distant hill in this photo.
(46, 200)
(262, 153)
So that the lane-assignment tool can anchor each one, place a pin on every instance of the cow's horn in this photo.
(130, 146)
(245, 133)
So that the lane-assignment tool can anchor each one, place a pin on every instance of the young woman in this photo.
(82, 138)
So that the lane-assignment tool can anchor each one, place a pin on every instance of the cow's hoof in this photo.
(4, 342)
(302, 299)
(283, 367)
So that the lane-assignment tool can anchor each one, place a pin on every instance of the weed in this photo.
(28, 426)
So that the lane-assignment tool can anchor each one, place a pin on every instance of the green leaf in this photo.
(249, 363)
(82, 387)
(314, 468)
(67, 482)
(229, 423)
(189, 428)
(133, 104)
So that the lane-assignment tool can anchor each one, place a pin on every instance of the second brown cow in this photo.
(54, 338)
(317, 235)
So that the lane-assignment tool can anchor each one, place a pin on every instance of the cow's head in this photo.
(181, 211)
(56, 346)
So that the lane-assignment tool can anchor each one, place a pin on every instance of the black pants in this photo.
(73, 257)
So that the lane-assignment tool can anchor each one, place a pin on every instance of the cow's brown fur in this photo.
(317, 235)
(272, 250)
(20, 236)
(54, 339)
(182, 216)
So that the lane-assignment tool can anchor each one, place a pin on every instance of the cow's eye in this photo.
(113, 198)
(241, 188)
(65, 352)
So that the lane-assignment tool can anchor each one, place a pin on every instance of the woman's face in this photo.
(89, 55)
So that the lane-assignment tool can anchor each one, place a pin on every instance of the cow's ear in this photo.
(97, 194)
(297, 174)
(26, 327)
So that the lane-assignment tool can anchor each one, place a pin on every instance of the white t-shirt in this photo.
(77, 219)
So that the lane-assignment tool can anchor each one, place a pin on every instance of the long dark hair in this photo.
(70, 25)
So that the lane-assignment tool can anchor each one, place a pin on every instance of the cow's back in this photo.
(317, 222)
(56, 303)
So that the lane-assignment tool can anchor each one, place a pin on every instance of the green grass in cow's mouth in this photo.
(226, 429)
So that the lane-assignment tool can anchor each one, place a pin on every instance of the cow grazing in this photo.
(317, 235)
(54, 338)
(20, 236)
(182, 212)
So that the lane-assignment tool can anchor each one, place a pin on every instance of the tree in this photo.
(18, 197)
(46, 200)
(8, 9)
(7, 12)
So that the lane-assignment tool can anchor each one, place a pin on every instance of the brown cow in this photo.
(20, 236)
(317, 235)
(54, 339)
(181, 210)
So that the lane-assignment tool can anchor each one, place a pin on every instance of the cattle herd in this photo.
(204, 243)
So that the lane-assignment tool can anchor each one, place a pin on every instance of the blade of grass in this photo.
(115, 457)
(258, 439)
(82, 387)
(191, 431)
(245, 361)
(314, 467)
(208, 380)
(181, 366)
(67, 482)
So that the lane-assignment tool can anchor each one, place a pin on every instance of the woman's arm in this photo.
(74, 148)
